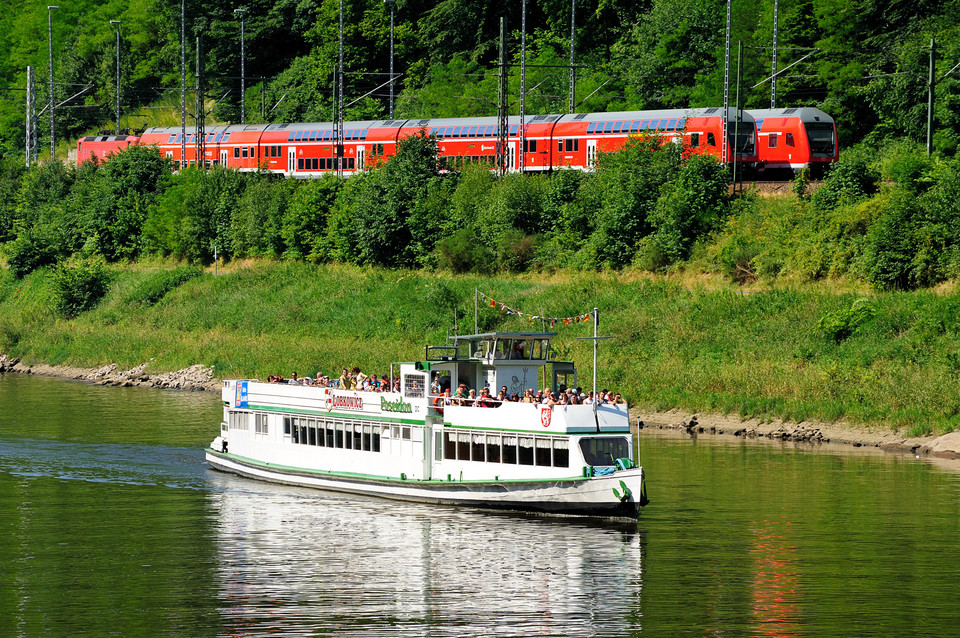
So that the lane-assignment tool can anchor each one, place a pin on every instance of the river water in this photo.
(111, 524)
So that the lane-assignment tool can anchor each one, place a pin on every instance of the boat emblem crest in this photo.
(545, 416)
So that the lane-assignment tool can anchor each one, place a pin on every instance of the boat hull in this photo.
(617, 496)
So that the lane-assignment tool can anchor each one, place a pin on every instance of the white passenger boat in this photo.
(415, 445)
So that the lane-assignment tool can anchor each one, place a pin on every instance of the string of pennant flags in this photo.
(588, 316)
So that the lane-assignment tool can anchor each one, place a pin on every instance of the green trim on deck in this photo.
(336, 415)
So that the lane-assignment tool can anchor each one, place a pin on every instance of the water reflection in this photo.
(775, 586)
(299, 562)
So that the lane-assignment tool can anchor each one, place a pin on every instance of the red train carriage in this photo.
(795, 139)
(99, 147)
(309, 150)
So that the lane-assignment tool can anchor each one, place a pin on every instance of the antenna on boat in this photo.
(595, 339)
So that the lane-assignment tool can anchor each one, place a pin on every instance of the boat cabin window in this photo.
(414, 385)
(604, 450)
(545, 451)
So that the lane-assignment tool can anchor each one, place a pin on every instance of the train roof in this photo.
(492, 120)
(806, 114)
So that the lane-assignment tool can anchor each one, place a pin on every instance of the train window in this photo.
(473, 131)
(559, 146)
(694, 140)
(591, 127)
(608, 127)
(300, 164)
(172, 137)
(514, 128)
(672, 125)
(789, 139)
(711, 140)
(363, 134)
(314, 164)
(456, 131)
(434, 131)
(681, 123)
(291, 136)
(236, 151)
(351, 163)
(618, 126)
(489, 131)
(169, 154)
(244, 151)
(772, 140)
(253, 151)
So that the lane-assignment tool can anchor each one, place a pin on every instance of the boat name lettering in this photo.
(395, 406)
(346, 402)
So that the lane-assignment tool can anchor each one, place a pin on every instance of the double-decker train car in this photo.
(795, 139)
(99, 147)
(549, 142)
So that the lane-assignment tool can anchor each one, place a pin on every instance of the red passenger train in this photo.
(549, 142)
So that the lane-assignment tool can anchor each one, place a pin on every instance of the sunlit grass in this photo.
(677, 343)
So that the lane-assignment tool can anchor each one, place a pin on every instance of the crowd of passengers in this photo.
(353, 379)
(564, 396)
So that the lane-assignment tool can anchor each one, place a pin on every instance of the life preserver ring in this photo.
(438, 404)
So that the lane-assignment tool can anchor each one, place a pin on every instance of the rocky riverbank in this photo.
(195, 377)
(199, 377)
(946, 446)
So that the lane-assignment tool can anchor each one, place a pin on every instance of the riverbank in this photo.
(201, 378)
(195, 377)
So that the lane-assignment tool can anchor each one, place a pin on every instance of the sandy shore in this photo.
(199, 377)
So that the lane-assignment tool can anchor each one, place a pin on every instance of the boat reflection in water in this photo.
(296, 561)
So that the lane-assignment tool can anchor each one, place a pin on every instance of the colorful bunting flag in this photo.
(531, 318)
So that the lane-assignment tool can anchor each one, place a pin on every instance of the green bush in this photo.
(79, 286)
(841, 324)
(25, 254)
(153, 289)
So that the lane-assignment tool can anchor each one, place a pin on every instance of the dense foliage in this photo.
(869, 70)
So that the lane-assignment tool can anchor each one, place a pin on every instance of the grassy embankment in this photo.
(889, 360)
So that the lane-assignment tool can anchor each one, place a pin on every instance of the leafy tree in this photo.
(689, 207)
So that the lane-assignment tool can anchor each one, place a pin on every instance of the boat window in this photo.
(604, 450)
(329, 430)
(286, 426)
(339, 434)
(525, 453)
(449, 445)
(367, 438)
(312, 433)
(405, 433)
(493, 448)
(509, 449)
(463, 446)
(543, 449)
(375, 439)
(238, 421)
(561, 453)
(358, 437)
(478, 448)
(413, 385)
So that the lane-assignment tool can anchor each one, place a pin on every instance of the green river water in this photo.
(111, 525)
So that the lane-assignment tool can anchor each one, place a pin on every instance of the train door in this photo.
(591, 154)
(360, 158)
(291, 160)
(511, 156)
(224, 156)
